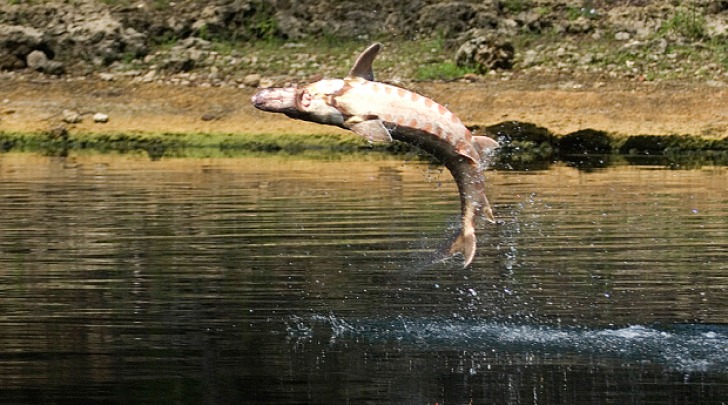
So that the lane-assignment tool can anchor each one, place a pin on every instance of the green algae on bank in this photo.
(183, 144)
(522, 144)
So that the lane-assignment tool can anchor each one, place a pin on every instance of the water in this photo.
(297, 280)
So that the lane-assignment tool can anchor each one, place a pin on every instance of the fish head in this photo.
(275, 99)
(314, 102)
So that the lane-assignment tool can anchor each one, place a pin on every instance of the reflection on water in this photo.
(285, 280)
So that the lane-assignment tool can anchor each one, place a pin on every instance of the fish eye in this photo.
(304, 99)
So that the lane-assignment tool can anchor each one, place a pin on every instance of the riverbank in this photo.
(549, 76)
(544, 109)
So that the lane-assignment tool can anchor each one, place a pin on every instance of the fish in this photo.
(381, 112)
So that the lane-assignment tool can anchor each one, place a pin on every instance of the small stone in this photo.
(40, 62)
(71, 117)
(36, 60)
(265, 83)
(530, 58)
(101, 117)
(252, 80)
(107, 77)
(622, 36)
(149, 77)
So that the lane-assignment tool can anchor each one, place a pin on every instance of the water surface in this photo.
(296, 280)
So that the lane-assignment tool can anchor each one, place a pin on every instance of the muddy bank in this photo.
(562, 107)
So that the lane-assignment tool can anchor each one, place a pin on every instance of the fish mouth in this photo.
(275, 99)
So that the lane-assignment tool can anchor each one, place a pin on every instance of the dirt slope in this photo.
(620, 108)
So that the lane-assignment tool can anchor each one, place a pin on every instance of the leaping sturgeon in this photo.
(381, 112)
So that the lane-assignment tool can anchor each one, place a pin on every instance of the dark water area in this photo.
(294, 280)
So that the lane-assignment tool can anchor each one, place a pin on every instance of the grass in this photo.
(516, 6)
(445, 71)
(687, 23)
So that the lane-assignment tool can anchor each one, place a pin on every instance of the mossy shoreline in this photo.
(522, 145)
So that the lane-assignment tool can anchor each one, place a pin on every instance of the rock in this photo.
(194, 42)
(101, 117)
(10, 62)
(104, 40)
(266, 82)
(71, 117)
(75, 30)
(39, 61)
(531, 58)
(177, 63)
(533, 20)
(252, 80)
(717, 6)
(36, 60)
(16, 43)
(107, 77)
(291, 26)
(485, 53)
(581, 25)
(238, 19)
(449, 18)
(149, 76)
(716, 26)
(639, 21)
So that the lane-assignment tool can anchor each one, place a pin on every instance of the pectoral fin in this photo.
(484, 143)
(486, 148)
(373, 130)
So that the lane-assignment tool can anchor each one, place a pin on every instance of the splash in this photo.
(689, 347)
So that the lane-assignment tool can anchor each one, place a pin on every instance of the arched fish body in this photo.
(381, 112)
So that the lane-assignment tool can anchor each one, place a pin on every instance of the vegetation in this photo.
(527, 145)
(445, 71)
(687, 23)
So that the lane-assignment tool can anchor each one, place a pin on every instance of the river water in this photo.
(285, 279)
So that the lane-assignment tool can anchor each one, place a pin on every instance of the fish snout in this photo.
(274, 99)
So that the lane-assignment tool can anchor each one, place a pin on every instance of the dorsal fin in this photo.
(363, 65)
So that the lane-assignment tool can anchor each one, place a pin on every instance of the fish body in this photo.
(381, 112)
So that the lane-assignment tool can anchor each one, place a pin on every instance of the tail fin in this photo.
(461, 244)
(464, 244)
